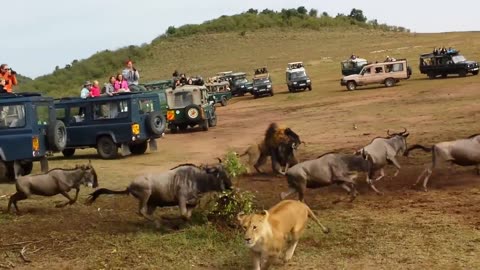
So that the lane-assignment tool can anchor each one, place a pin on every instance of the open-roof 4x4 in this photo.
(131, 121)
(28, 132)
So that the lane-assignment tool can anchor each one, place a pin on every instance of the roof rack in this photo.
(20, 94)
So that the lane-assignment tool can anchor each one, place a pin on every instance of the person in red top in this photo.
(10, 77)
(95, 90)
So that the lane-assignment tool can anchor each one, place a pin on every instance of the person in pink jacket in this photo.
(95, 90)
(121, 85)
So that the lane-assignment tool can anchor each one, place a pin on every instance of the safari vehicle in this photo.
(297, 77)
(239, 84)
(131, 121)
(353, 66)
(388, 73)
(189, 106)
(28, 132)
(443, 64)
(157, 85)
(220, 92)
(262, 85)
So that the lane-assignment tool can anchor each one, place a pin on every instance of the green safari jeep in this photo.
(189, 106)
(220, 92)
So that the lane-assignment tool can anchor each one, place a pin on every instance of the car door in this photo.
(366, 76)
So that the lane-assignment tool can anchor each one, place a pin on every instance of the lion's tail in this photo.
(312, 215)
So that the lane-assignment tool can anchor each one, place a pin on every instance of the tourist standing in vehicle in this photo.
(85, 92)
(95, 89)
(130, 74)
(121, 85)
(9, 76)
(2, 86)
(110, 86)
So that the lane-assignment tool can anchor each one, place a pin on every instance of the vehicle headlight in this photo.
(243, 86)
(269, 86)
(308, 80)
(294, 82)
(255, 88)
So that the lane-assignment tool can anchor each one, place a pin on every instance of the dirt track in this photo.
(68, 238)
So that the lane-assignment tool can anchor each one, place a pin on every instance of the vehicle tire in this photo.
(156, 123)
(57, 136)
(27, 167)
(204, 125)
(106, 148)
(224, 101)
(255, 96)
(271, 93)
(139, 148)
(444, 75)
(310, 88)
(290, 90)
(68, 152)
(173, 129)
(431, 75)
(475, 72)
(389, 82)
(182, 127)
(193, 112)
(351, 85)
(462, 73)
(213, 121)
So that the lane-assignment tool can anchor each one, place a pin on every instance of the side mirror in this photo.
(211, 102)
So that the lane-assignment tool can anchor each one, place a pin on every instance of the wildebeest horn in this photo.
(404, 131)
(219, 160)
(303, 143)
(388, 132)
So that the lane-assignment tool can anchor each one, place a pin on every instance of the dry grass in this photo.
(405, 229)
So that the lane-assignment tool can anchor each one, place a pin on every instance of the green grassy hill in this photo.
(238, 42)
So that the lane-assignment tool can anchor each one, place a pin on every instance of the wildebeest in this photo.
(463, 152)
(56, 181)
(383, 151)
(280, 144)
(180, 186)
(327, 169)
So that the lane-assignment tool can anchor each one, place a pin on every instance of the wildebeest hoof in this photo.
(380, 193)
(425, 190)
(336, 201)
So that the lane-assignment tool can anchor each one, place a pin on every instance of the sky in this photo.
(39, 35)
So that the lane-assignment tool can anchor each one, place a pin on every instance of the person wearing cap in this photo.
(9, 76)
(85, 92)
(130, 74)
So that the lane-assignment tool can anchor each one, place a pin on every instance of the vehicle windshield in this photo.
(12, 116)
(458, 58)
(240, 81)
(297, 75)
(182, 99)
(260, 81)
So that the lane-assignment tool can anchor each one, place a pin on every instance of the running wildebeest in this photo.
(463, 152)
(327, 169)
(180, 186)
(56, 181)
(383, 151)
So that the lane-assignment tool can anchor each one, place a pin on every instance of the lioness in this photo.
(276, 231)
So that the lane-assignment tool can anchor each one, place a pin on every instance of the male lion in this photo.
(280, 144)
(276, 231)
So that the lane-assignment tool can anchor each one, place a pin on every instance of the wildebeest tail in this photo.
(94, 195)
(312, 215)
(417, 146)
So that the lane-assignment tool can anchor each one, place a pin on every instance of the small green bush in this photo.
(222, 208)
(233, 165)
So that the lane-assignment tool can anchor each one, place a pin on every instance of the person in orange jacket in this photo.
(9, 75)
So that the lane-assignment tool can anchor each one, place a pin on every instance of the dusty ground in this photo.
(404, 229)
